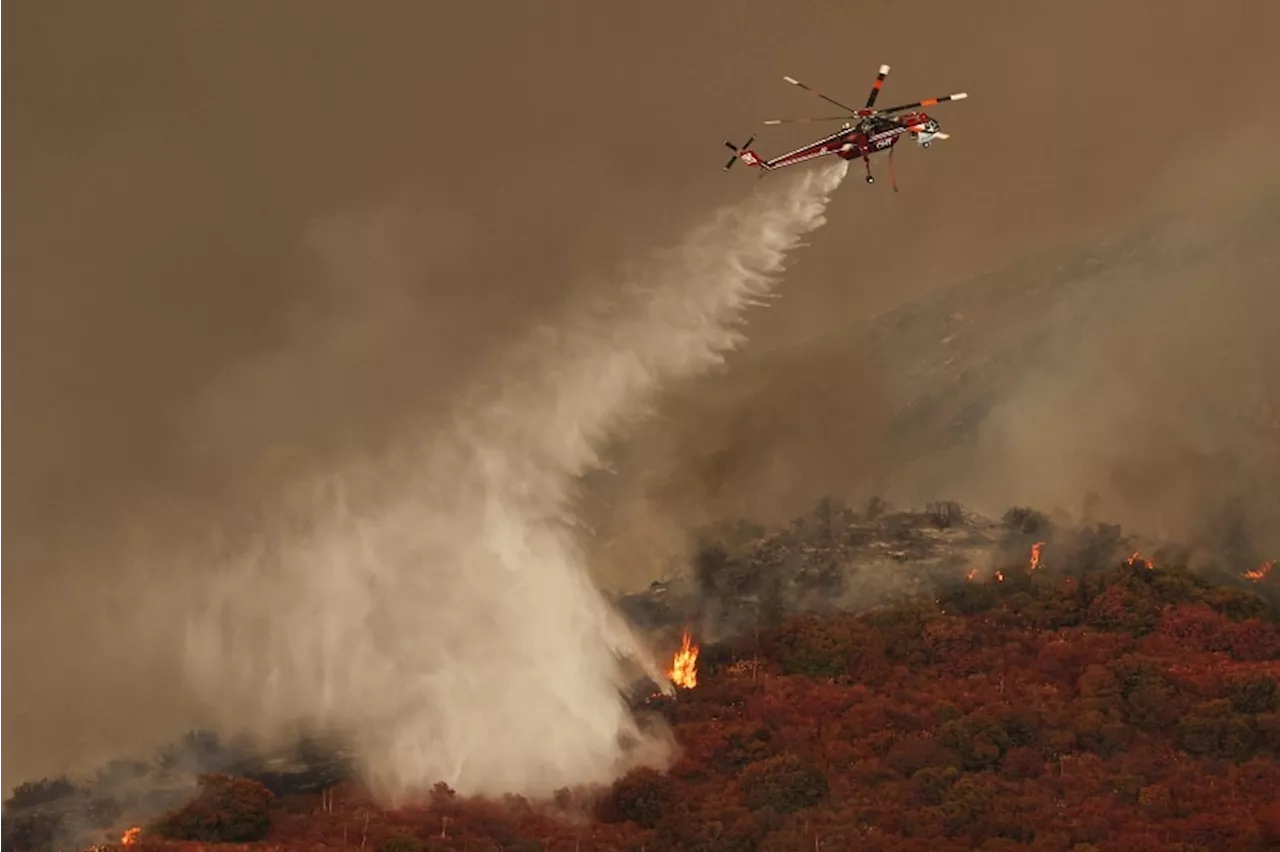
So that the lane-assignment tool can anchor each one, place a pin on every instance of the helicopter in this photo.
(865, 131)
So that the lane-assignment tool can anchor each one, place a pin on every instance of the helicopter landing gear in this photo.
(866, 161)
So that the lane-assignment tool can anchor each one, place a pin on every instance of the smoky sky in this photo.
(172, 159)
(245, 240)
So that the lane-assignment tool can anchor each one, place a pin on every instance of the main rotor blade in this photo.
(875, 87)
(958, 96)
(793, 81)
(808, 120)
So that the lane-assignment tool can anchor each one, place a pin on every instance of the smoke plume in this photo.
(435, 605)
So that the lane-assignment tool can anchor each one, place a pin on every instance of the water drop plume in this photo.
(436, 606)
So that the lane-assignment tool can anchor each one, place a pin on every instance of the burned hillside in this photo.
(744, 577)
(57, 813)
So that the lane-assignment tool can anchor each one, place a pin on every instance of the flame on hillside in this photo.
(1136, 561)
(1035, 556)
(130, 836)
(1260, 573)
(972, 575)
(684, 666)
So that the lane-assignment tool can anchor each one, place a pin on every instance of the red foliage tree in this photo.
(227, 810)
(642, 796)
(785, 783)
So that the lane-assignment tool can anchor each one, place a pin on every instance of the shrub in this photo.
(1024, 520)
(1253, 640)
(1198, 627)
(979, 739)
(1022, 763)
(40, 792)
(745, 746)
(909, 755)
(641, 796)
(400, 843)
(1252, 693)
(1212, 730)
(784, 783)
(227, 810)
(930, 785)
(944, 514)
(967, 801)
(813, 646)
(1236, 604)
(971, 598)
(1117, 608)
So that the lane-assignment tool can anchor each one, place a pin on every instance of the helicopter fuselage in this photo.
(878, 135)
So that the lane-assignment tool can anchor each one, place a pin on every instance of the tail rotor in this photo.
(737, 151)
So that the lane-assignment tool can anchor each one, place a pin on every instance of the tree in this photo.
(909, 755)
(1118, 608)
(979, 739)
(785, 783)
(641, 796)
(32, 793)
(227, 810)
(813, 646)
(1022, 763)
(1198, 627)
(1213, 730)
(1253, 640)
(1252, 693)
(1024, 520)
(944, 514)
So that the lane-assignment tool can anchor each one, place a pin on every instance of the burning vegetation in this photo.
(1136, 561)
(1261, 572)
(684, 665)
(1033, 563)
(1035, 556)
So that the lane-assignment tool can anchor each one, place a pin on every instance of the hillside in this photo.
(1021, 686)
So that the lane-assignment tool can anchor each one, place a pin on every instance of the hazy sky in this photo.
(174, 160)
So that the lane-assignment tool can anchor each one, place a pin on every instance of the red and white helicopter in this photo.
(865, 132)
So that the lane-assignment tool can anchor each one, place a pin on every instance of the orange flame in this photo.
(1035, 556)
(1136, 559)
(684, 667)
(972, 575)
(130, 836)
(1261, 572)
(999, 575)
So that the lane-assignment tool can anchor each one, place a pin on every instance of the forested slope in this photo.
(1122, 703)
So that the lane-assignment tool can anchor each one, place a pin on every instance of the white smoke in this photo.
(437, 606)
